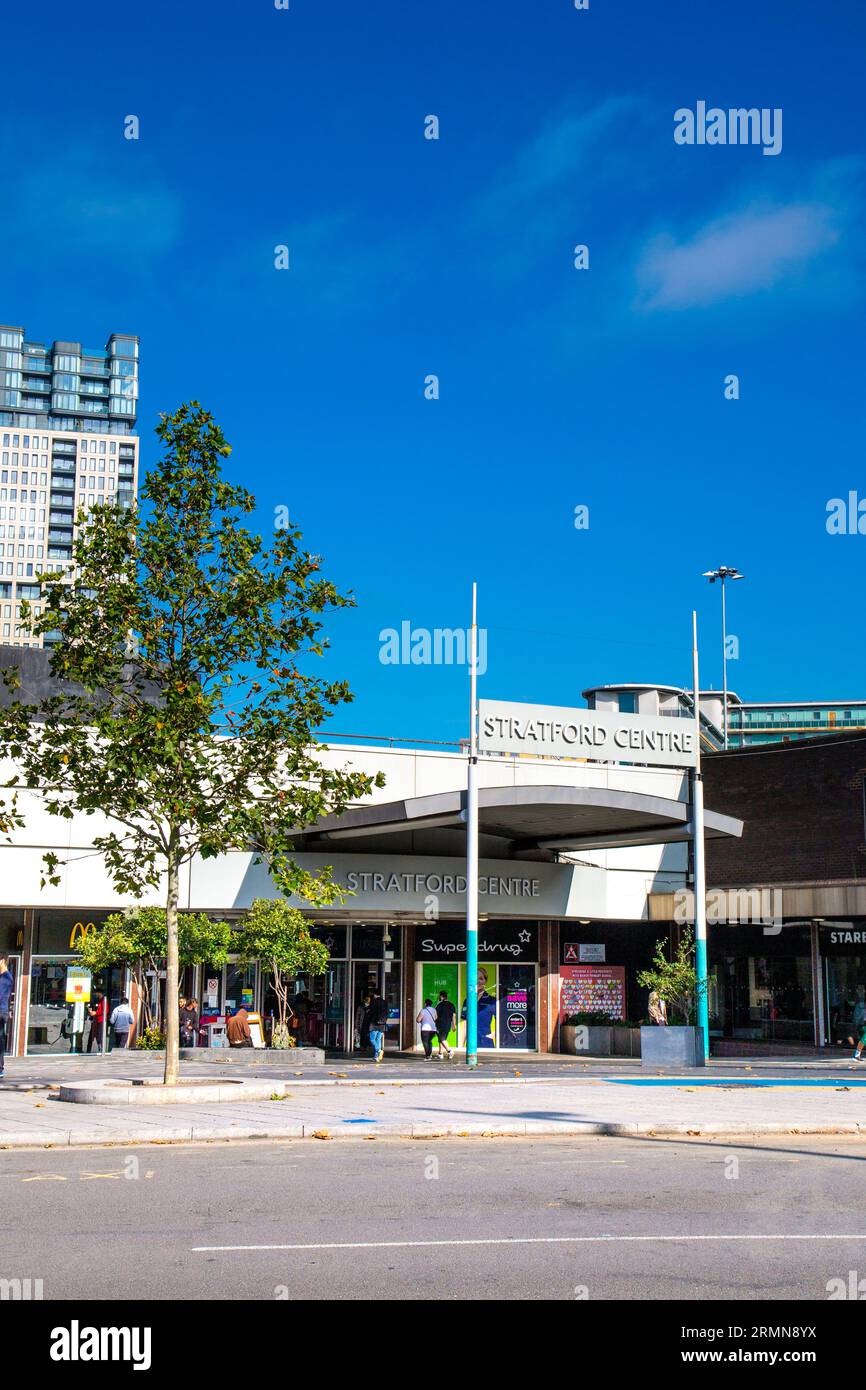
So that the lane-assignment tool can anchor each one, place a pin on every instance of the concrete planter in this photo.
(187, 1092)
(625, 1042)
(669, 1046)
(579, 1040)
(292, 1057)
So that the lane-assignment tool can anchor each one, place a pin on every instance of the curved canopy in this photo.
(526, 820)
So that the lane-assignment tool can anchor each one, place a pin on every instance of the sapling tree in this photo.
(675, 980)
(137, 938)
(278, 935)
(190, 721)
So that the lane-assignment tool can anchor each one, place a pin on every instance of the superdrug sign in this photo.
(511, 942)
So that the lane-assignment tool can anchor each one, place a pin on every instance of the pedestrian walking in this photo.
(427, 1019)
(378, 1015)
(445, 1015)
(122, 1020)
(188, 1022)
(96, 1013)
(7, 985)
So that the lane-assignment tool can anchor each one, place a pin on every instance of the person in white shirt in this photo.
(429, 1025)
(122, 1020)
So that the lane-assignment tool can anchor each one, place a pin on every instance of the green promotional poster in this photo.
(435, 978)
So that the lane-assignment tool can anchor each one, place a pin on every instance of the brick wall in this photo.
(802, 804)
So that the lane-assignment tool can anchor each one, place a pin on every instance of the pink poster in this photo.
(596, 989)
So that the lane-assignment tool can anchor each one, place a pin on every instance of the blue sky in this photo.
(558, 387)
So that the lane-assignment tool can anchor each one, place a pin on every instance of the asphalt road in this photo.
(478, 1219)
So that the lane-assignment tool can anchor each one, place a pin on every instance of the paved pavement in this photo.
(643, 1219)
(416, 1099)
(51, 1068)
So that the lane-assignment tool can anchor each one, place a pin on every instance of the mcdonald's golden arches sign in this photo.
(80, 931)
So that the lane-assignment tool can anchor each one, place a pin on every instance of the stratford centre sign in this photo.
(601, 736)
(424, 888)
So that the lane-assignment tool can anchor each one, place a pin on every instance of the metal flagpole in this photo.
(472, 852)
(703, 1010)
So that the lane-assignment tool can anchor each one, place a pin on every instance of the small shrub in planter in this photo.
(281, 1036)
(679, 1042)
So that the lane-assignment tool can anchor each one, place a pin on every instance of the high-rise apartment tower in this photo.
(67, 440)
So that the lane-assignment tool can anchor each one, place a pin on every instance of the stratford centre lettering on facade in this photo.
(407, 884)
(555, 732)
(492, 885)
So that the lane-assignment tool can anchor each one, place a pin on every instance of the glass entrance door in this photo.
(318, 1008)
(392, 993)
(14, 963)
(48, 1018)
(367, 977)
(239, 986)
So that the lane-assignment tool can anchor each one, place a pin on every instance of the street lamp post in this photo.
(699, 856)
(722, 573)
(472, 850)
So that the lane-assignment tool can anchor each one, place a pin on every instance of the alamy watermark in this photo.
(761, 907)
(438, 646)
(846, 516)
(737, 126)
(21, 1290)
(853, 1287)
(77, 1343)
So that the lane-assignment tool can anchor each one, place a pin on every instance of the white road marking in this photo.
(509, 1240)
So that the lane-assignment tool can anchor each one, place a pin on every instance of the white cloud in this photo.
(535, 193)
(739, 254)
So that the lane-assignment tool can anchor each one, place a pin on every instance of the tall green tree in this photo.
(191, 721)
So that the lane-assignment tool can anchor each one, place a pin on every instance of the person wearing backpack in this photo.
(445, 1015)
(378, 1018)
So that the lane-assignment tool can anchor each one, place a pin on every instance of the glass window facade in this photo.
(761, 985)
(769, 724)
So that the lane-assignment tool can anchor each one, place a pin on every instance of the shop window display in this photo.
(506, 1002)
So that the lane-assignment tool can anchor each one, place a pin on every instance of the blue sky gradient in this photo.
(410, 256)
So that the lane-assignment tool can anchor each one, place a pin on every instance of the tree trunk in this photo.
(282, 993)
(143, 992)
(172, 981)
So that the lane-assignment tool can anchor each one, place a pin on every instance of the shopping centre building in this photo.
(570, 852)
(585, 865)
(787, 900)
